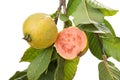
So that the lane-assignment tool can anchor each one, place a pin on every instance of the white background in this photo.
(12, 46)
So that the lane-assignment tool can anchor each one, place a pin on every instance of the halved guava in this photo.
(71, 42)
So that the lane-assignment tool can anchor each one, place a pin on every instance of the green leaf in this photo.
(109, 26)
(72, 5)
(54, 15)
(54, 55)
(95, 28)
(89, 28)
(102, 28)
(19, 75)
(68, 23)
(49, 73)
(111, 34)
(105, 10)
(85, 14)
(70, 68)
(94, 45)
(63, 17)
(105, 28)
(108, 71)
(30, 54)
(39, 64)
(59, 72)
(112, 47)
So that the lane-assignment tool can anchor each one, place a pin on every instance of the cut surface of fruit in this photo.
(71, 42)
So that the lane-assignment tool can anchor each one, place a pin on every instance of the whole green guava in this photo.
(40, 30)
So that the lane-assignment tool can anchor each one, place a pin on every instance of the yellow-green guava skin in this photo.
(42, 30)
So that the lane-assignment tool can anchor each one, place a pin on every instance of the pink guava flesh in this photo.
(71, 42)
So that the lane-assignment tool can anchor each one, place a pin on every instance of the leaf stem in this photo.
(103, 51)
(104, 55)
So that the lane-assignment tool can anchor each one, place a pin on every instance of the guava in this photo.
(71, 43)
(40, 30)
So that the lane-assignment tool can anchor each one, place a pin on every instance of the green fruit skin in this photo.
(42, 30)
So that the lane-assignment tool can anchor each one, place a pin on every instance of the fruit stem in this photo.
(103, 51)
(27, 38)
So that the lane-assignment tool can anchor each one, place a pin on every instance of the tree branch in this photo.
(58, 10)
(62, 5)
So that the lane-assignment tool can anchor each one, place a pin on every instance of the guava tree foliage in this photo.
(88, 15)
